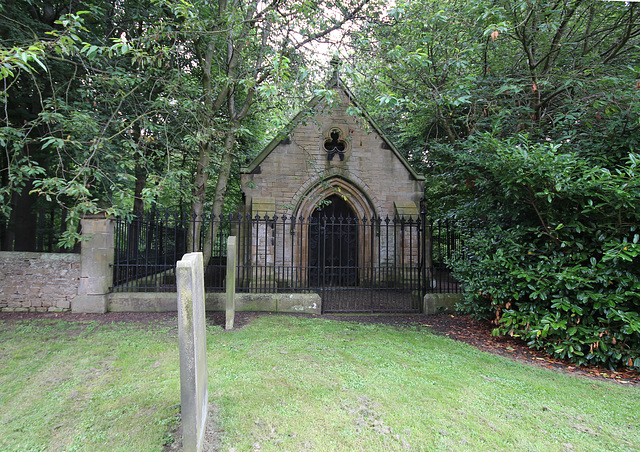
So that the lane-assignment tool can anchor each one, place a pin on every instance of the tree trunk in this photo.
(220, 193)
(141, 181)
(199, 194)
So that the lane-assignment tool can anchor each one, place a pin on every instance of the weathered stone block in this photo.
(434, 303)
(193, 350)
(307, 303)
(96, 271)
(93, 304)
(256, 302)
(98, 285)
(230, 305)
(143, 302)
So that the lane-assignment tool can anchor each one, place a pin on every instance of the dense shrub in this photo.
(553, 255)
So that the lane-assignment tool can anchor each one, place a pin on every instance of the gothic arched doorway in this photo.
(333, 244)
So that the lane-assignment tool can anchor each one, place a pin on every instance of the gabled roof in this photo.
(335, 83)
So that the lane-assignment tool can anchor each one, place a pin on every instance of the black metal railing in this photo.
(146, 252)
(38, 230)
(356, 264)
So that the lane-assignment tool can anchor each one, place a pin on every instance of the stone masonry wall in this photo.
(38, 282)
(300, 163)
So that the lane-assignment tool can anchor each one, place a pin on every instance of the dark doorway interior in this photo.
(333, 244)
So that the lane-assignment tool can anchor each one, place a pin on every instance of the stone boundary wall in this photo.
(38, 282)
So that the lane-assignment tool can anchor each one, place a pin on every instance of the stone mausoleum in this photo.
(336, 164)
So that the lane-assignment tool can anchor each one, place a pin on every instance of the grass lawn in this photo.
(296, 384)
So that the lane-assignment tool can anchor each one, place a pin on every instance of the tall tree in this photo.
(103, 129)
(28, 80)
(243, 51)
(555, 70)
(463, 67)
(525, 116)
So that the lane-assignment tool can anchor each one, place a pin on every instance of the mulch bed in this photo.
(460, 327)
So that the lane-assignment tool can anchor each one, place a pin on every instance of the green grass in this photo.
(297, 383)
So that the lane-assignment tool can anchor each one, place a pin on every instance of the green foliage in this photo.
(555, 260)
(94, 127)
(524, 118)
(142, 103)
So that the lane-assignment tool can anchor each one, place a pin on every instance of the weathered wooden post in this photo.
(193, 350)
(231, 283)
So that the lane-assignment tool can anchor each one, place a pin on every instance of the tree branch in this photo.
(349, 17)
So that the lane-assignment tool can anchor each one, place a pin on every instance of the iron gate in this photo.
(354, 264)
(333, 246)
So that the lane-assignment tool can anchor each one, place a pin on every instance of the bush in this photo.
(556, 260)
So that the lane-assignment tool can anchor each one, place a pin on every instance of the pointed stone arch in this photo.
(357, 198)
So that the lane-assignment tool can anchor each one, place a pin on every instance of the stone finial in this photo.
(335, 68)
